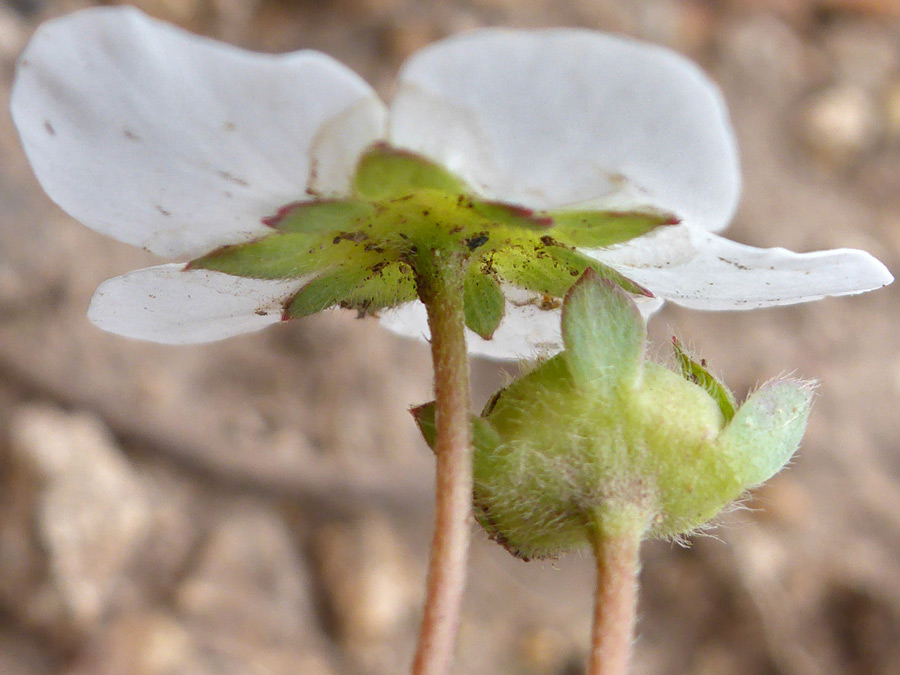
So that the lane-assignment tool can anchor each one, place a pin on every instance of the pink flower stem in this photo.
(614, 602)
(442, 293)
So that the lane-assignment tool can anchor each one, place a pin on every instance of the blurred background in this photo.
(263, 505)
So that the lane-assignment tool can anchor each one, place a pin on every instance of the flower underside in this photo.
(366, 252)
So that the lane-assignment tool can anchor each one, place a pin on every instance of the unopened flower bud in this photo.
(598, 439)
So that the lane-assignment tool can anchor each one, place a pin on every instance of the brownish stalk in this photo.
(442, 293)
(614, 603)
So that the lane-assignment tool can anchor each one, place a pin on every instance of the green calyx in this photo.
(371, 250)
(599, 440)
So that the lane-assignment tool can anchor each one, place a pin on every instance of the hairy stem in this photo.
(614, 602)
(442, 293)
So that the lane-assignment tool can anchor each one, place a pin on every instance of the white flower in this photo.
(180, 144)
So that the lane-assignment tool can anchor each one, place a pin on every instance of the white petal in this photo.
(172, 305)
(554, 117)
(174, 142)
(526, 332)
(701, 270)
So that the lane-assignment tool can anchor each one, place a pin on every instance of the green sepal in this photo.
(577, 261)
(366, 290)
(483, 302)
(603, 333)
(277, 256)
(598, 229)
(384, 285)
(330, 215)
(532, 267)
(699, 375)
(546, 266)
(484, 437)
(766, 430)
(384, 172)
(424, 417)
(325, 291)
(502, 213)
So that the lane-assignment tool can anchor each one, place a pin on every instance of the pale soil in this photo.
(262, 505)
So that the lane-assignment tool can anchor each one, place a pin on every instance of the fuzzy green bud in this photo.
(599, 440)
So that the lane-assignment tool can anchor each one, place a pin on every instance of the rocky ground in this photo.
(262, 505)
